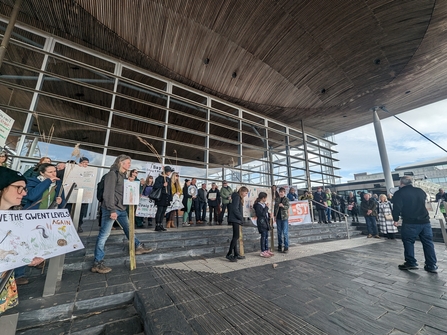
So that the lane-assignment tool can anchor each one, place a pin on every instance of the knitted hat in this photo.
(8, 176)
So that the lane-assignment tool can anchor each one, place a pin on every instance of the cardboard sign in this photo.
(131, 195)
(84, 177)
(146, 208)
(35, 233)
(176, 203)
(6, 123)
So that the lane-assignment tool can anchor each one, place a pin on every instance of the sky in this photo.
(358, 150)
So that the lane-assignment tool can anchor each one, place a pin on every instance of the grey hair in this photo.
(406, 180)
(119, 159)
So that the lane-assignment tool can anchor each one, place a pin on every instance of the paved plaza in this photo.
(334, 287)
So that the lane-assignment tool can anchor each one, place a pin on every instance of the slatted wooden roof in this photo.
(321, 61)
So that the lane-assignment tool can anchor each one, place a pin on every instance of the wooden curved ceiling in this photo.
(325, 62)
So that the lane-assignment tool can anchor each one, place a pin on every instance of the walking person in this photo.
(225, 195)
(386, 223)
(263, 223)
(236, 218)
(409, 203)
(114, 209)
(162, 182)
(368, 207)
(282, 220)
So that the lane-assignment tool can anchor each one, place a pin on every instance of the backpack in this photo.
(100, 187)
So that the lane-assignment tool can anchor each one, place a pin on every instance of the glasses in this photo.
(20, 189)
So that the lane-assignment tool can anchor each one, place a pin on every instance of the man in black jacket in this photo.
(409, 202)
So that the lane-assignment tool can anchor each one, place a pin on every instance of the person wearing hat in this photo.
(162, 182)
(3, 158)
(12, 190)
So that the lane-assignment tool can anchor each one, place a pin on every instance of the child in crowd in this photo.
(262, 220)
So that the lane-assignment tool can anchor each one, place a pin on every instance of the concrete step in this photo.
(195, 242)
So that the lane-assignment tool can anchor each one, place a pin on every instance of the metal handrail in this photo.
(334, 210)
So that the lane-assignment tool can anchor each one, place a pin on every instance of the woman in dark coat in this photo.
(236, 219)
(262, 221)
(162, 182)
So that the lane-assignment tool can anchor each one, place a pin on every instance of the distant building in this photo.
(432, 172)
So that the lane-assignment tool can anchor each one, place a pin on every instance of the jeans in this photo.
(264, 240)
(409, 233)
(20, 272)
(282, 227)
(202, 211)
(106, 227)
(371, 225)
(328, 214)
(233, 244)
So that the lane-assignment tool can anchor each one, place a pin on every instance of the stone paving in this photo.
(335, 287)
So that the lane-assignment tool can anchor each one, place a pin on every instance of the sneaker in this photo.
(377, 236)
(279, 249)
(264, 254)
(239, 257)
(406, 266)
(185, 224)
(99, 267)
(141, 249)
(270, 253)
(286, 250)
(22, 281)
(369, 236)
(432, 270)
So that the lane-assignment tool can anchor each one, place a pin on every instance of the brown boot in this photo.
(170, 224)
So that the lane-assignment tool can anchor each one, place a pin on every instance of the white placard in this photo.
(176, 203)
(84, 177)
(131, 195)
(154, 169)
(146, 208)
(35, 233)
(6, 123)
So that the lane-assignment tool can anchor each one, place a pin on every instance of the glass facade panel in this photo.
(209, 138)
(143, 79)
(142, 94)
(24, 36)
(189, 95)
(83, 57)
(72, 110)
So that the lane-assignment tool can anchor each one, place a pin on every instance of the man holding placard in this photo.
(113, 208)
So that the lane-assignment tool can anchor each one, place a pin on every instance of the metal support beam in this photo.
(8, 32)
(382, 151)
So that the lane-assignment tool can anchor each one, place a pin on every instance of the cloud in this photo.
(358, 150)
